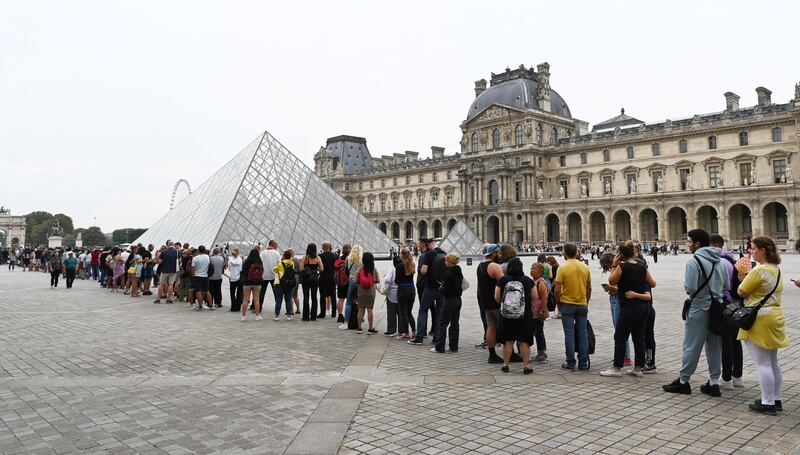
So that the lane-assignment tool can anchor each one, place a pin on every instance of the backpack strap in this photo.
(706, 277)
(767, 297)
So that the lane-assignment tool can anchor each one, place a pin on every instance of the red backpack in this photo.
(255, 273)
(340, 272)
(366, 280)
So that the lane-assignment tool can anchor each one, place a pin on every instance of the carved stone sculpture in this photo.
(753, 179)
(788, 174)
(608, 187)
(633, 186)
(541, 193)
(689, 181)
(659, 184)
(561, 191)
(584, 190)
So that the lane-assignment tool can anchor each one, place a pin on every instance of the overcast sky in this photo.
(104, 105)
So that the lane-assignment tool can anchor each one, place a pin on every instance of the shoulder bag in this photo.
(744, 317)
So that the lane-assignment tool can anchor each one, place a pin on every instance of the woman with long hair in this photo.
(763, 286)
(286, 280)
(404, 278)
(352, 264)
(310, 268)
(366, 281)
(251, 286)
(119, 270)
(606, 265)
(540, 294)
(633, 282)
(342, 284)
(521, 329)
(236, 280)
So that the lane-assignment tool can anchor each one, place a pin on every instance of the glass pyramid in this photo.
(462, 240)
(265, 192)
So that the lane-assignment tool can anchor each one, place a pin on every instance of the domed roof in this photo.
(517, 88)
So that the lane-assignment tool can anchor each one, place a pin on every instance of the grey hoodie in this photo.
(693, 278)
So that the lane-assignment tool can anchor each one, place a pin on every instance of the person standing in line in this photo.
(55, 268)
(390, 290)
(296, 289)
(310, 269)
(327, 286)
(117, 270)
(148, 270)
(607, 265)
(422, 247)
(167, 260)
(732, 355)
(105, 267)
(235, 280)
(215, 279)
(286, 279)
(540, 312)
(137, 266)
(70, 268)
(552, 262)
(764, 285)
(352, 265)
(342, 279)
(12, 260)
(432, 272)
(200, 268)
(514, 290)
(704, 279)
(633, 282)
(252, 277)
(481, 308)
(95, 264)
(573, 290)
(404, 278)
(488, 274)
(450, 313)
(366, 281)
(269, 259)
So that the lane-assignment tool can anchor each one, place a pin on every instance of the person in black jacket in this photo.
(451, 291)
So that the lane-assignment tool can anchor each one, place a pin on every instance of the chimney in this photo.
(480, 87)
(399, 158)
(411, 156)
(437, 152)
(543, 74)
(731, 102)
(764, 96)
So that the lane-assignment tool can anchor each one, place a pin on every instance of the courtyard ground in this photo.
(87, 371)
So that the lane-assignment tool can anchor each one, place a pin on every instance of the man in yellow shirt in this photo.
(573, 289)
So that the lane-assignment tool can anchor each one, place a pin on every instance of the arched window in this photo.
(474, 143)
(493, 192)
(554, 136)
(496, 138)
(583, 158)
(518, 135)
(606, 155)
(539, 133)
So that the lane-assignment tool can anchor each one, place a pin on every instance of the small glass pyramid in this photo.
(462, 240)
(263, 193)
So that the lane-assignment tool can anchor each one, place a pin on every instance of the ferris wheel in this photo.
(175, 191)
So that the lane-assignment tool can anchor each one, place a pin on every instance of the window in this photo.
(656, 149)
(435, 176)
(517, 162)
(408, 202)
(408, 180)
(371, 184)
(449, 175)
(539, 163)
(347, 187)
(779, 171)
(683, 174)
(449, 197)
(629, 152)
(562, 160)
(493, 192)
(371, 205)
(421, 200)
(360, 205)
(496, 138)
(553, 136)
(712, 142)
(630, 179)
(713, 176)
(434, 199)
(585, 187)
(656, 177)
(394, 181)
(421, 178)
(383, 183)
(583, 158)
(564, 189)
(475, 142)
(743, 138)
(383, 204)
(517, 191)
(360, 185)
(471, 194)
(518, 135)
(607, 188)
(744, 174)
(395, 202)
(539, 133)
(606, 155)
(777, 134)
(683, 146)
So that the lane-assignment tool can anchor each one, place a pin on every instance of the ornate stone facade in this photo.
(528, 172)
(12, 230)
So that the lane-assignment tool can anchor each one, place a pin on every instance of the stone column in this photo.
(586, 230)
(611, 229)
(563, 230)
(662, 224)
(722, 223)
(635, 226)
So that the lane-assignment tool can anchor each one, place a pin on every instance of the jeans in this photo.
(405, 302)
(282, 295)
(538, 333)
(215, 288)
(351, 300)
(695, 336)
(391, 316)
(310, 288)
(420, 295)
(103, 275)
(449, 316)
(731, 356)
(431, 299)
(614, 300)
(631, 322)
(54, 278)
(573, 319)
(263, 292)
(69, 274)
(237, 291)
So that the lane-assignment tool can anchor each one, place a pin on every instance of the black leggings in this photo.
(237, 288)
(731, 355)
(631, 323)
(310, 288)
(405, 301)
(650, 337)
(70, 277)
(54, 278)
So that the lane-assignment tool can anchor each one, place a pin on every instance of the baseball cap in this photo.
(491, 249)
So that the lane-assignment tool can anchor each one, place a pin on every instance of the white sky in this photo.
(105, 104)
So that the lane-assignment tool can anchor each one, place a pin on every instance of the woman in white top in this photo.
(235, 271)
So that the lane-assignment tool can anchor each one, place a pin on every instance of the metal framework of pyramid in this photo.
(265, 192)
(462, 240)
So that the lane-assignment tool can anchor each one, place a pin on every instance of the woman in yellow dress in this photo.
(768, 333)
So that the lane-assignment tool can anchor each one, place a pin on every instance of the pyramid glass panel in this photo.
(266, 193)
(462, 240)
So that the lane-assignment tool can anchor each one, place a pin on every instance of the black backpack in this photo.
(735, 281)
(437, 269)
(289, 279)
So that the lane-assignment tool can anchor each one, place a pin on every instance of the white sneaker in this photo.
(723, 384)
(259, 318)
(277, 318)
(244, 318)
(738, 382)
(343, 327)
(634, 373)
(611, 373)
(288, 318)
(194, 306)
(393, 334)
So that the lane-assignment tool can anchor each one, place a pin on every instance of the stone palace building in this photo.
(529, 172)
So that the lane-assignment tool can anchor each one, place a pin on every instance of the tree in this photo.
(34, 219)
(126, 235)
(92, 236)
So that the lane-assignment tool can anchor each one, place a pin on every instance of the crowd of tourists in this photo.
(730, 299)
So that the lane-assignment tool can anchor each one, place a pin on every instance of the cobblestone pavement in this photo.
(87, 371)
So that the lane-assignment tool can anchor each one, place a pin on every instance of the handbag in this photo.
(744, 317)
(132, 271)
(464, 284)
(716, 320)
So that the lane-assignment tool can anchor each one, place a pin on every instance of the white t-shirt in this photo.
(269, 258)
(200, 264)
(235, 267)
